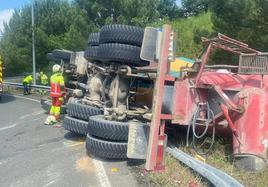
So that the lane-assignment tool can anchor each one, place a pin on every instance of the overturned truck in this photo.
(131, 98)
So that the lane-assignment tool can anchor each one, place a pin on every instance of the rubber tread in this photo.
(121, 53)
(110, 130)
(75, 125)
(81, 111)
(91, 53)
(93, 39)
(123, 34)
(106, 149)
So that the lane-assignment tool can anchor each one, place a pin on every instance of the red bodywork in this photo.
(242, 101)
(251, 126)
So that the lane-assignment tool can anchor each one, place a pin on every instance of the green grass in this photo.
(221, 159)
(177, 174)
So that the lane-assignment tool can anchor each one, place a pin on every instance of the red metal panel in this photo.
(252, 126)
(185, 99)
(231, 81)
(224, 80)
(203, 63)
(154, 154)
(170, 78)
(166, 117)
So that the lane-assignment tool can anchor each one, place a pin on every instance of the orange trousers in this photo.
(56, 106)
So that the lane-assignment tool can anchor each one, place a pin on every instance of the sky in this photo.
(7, 7)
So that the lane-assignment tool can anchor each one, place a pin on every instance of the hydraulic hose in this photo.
(210, 117)
(196, 115)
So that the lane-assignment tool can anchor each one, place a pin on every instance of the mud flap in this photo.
(151, 44)
(138, 137)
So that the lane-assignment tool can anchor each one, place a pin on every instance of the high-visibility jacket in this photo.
(56, 82)
(44, 79)
(28, 79)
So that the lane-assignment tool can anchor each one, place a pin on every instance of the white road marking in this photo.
(52, 175)
(32, 114)
(30, 99)
(8, 127)
(50, 183)
(101, 174)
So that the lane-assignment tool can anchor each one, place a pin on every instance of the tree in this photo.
(189, 33)
(169, 9)
(245, 20)
(195, 7)
(58, 24)
(134, 12)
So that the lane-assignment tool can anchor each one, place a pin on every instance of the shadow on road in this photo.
(103, 159)
(135, 162)
(74, 136)
(7, 99)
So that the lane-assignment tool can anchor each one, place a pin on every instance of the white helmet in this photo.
(56, 68)
(50, 120)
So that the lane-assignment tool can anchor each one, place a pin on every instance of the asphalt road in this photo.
(32, 154)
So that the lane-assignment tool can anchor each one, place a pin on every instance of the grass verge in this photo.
(177, 174)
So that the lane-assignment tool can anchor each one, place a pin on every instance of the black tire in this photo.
(91, 53)
(46, 104)
(121, 53)
(93, 39)
(106, 149)
(62, 54)
(110, 130)
(123, 34)
(75, 125)
(81, 111)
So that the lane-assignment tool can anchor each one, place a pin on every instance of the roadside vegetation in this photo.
(177, 174)
(66, 24)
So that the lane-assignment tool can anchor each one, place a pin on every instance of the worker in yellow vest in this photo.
(44, 81)
(27, 81)
(43, 78)
(57, 92)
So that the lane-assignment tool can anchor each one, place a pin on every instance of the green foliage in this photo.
(194, 7)
(61, 24)
(133, 12)
(245, 20)
(189, 33)
(169, 9)
(58, 24)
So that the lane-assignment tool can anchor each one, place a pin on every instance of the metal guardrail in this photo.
(16, 79)
(20, 85)
(215, 176)
(13, 84)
